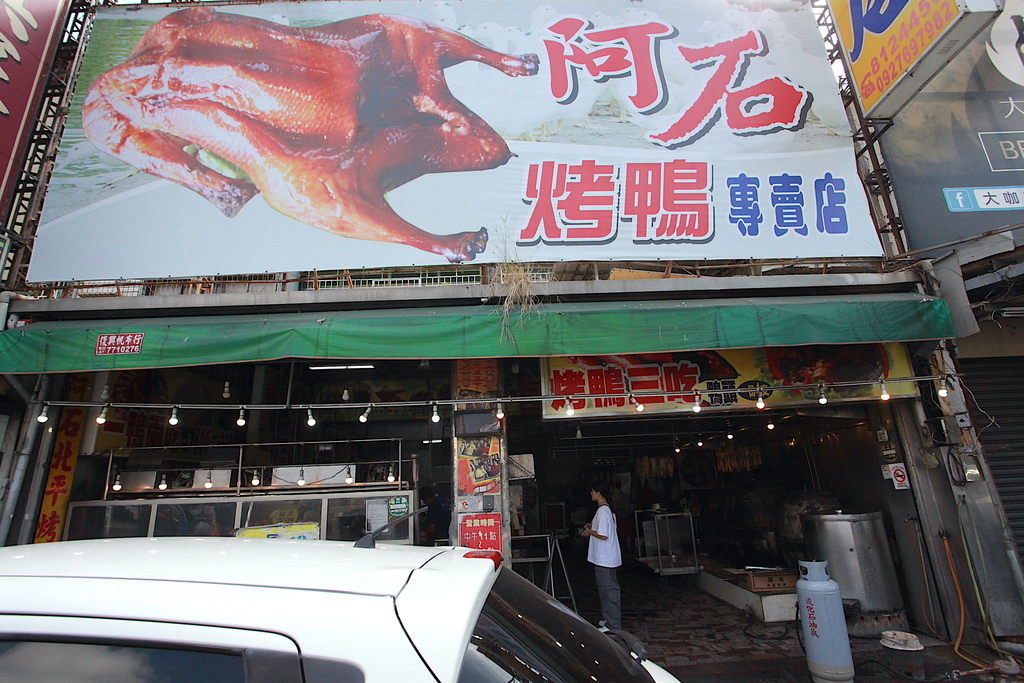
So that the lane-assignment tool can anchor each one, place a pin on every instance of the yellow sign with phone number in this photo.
(885, 40)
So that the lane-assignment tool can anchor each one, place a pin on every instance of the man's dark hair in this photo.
(427, 492)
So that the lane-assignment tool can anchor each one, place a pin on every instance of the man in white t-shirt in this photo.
(603, 552)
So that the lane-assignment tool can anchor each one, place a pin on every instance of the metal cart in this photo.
(666, 542)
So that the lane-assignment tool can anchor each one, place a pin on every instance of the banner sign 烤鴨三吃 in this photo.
(498, 131)
(723, 379)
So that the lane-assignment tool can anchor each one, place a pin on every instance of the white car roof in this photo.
(436, 592)
(314, 565)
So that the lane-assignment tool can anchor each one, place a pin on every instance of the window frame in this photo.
(266, 657)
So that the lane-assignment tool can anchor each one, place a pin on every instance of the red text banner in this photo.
(730, 379)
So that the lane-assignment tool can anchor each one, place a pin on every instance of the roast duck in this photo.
(321, 121)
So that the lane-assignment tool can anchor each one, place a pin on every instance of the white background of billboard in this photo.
(114, 222)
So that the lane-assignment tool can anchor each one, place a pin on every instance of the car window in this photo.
(45, 662)
(525, 635)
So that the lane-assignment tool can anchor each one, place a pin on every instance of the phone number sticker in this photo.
(883, 54)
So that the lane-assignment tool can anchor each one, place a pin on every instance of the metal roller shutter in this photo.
(997, 388)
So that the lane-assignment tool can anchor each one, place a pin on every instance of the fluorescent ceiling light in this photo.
(341, 367)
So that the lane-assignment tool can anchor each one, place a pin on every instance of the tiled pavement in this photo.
(682, 625)
(700, 638)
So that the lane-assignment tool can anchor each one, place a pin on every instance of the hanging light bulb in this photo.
(102, 417)
(43, 417)
(760, 401)
(255, 481)
(209, 480)
(700, 443)
(579, 432)
(349, 478)
(729, 435)
(822, 399)
(366, 415)
(771, 426)
(675, 444)
(885, 393)
(117, 482)
(163, 482)
(302, 477)
(500, 413)
(434, 417)
(241, 418)
(310, 420)
(173, 419)
(227, 390)
(696, 403)
(569, 410)
(344, 394)
(391, 475)
(943, 388)
(105, 394)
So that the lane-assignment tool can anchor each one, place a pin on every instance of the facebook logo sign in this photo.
(1000, 198)
(960, 199)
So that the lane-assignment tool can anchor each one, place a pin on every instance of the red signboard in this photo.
(480, 531)
(29, 30)
(109, 344)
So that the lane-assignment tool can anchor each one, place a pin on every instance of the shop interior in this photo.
(726, 486)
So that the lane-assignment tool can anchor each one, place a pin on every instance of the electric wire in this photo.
(925, 602)
(975, 579)
(977, 406)
(767, 636)
(895, 672)
(957, 474)
(962, 604)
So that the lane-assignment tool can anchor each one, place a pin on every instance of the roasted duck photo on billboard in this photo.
(323, 121)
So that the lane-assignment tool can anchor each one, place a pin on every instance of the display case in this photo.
(666, 542)
(341, 516)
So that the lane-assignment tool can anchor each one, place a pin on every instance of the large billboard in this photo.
(325, 135)
(894, 48)
(29, 30)
(956, 151)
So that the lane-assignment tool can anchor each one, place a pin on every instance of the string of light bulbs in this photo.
(634, 398)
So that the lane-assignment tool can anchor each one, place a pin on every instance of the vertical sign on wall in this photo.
(29, 30)
(481, 487)
(53, 513)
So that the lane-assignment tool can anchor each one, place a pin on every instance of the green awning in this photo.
(591, 328)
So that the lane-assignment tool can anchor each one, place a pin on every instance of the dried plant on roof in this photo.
(518, 298)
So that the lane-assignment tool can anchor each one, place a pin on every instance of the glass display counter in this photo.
(341, 516)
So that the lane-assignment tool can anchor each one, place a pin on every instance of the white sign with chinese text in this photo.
(572, 130)
(109, 344)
